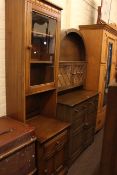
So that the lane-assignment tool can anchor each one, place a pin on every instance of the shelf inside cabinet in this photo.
(73, 62)
(40, 34)
(40, 103)
(35, 89)
(41, 74)
(40, 62)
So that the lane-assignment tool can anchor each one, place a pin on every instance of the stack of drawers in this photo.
(52, 145)
(80, 109)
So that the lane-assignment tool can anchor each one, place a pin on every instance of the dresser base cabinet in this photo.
(51, 145)
(80, 109)
(17, 148)
(52, 155)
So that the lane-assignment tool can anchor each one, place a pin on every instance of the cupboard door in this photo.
(49, 166)
(108, 38)
(41, 50)
(60, 159)
(76, 144)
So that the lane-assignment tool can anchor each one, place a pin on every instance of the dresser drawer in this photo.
(78, 112)
(55, 144)
(77, 141)
(89, 136)
(92, 105)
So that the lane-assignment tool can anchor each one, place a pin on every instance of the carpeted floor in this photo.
(88, 162)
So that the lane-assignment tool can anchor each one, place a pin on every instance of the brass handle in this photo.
(86, 125)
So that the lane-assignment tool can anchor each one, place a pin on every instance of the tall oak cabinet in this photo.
(101, 49)
(32, 53)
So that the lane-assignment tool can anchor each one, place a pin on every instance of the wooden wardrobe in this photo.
(101, 49)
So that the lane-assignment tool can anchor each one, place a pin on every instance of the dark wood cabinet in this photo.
(17, 148)
(80, 109)
(52, 145)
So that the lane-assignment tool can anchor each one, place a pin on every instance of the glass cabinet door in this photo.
(107, 78)
(43, 49)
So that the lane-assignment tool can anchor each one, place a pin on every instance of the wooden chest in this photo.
(52, 145)
(79, 108)
(17, 148)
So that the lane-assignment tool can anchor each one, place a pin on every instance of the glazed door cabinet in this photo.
(41, 49)
(32, 53)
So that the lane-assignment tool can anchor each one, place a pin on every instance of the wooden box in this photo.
(79, 108)
(17, 148)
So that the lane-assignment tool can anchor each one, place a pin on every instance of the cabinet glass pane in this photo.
(43, 37)
(109, 61)
(43, 49)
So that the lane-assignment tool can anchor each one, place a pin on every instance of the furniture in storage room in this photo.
(17, 148)
(75, 105)
(101, 48)
(32, 52)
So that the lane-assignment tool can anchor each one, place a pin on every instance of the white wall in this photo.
(75, 12)
(113, 12)
(2, 59)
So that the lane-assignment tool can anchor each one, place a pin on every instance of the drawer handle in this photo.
(57, 142)
(45, 171)
(59, 168)
(86, 125)
(7, 131)
(76, 110)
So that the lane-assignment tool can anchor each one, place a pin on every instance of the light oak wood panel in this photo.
(92, 39)
(15, 61)
(97, 38)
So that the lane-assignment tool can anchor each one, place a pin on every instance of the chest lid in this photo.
(13, 134)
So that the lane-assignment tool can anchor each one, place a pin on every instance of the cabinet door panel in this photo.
(41, 49)
(77, 141)
(60, 160)
(101, 85)
(88, 136)
(49, 166)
